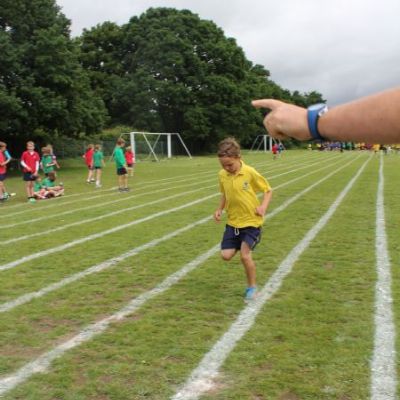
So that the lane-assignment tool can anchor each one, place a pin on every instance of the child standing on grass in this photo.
(88, 156)
(98, 162)
(8, 158)
(120, 163)
(53, 156)
(239, 184)
(130, 160)
(30, 163)
(47, 162)
(3, 171)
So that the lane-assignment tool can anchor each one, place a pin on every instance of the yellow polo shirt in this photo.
(240, 192)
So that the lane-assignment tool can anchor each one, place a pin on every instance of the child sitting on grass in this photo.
(47, 188)
(39, 191)
(50, 184)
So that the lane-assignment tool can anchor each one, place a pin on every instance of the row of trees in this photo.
(165, 71)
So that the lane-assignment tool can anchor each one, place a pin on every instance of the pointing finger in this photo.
(267, 103)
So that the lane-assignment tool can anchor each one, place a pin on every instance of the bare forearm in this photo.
(222, 203)
(374, 119)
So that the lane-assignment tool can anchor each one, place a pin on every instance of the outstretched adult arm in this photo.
(373, 119)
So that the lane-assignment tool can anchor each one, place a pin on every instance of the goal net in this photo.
(156, 146)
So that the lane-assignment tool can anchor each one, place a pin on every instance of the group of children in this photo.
(124, 160)
(31, 163)
(36, 188)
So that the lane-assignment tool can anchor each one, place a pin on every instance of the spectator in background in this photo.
(130, 160)
(98, 162)
(30, 160)
(53, 156)
(120, 163)
(88, 157)
(47, 163)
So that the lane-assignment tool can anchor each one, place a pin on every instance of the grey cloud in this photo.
(342, 48)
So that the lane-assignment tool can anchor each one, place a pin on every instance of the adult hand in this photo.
(284, 120)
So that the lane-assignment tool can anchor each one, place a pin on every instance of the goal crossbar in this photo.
(152, 147)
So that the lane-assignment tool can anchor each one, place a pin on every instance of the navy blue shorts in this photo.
(28, 176)
(2, 177)
(233, 237)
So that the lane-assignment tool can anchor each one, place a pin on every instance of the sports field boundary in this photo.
(383, 366)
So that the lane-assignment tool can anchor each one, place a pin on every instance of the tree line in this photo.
(166, 70)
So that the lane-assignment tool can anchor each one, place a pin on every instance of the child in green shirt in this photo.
(47, 162)
(98, 162)
(120, 163)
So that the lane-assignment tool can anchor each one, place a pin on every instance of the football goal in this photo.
(151, 145)
(265, 142)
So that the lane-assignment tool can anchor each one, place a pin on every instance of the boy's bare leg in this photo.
(227, 254)
(249, 264)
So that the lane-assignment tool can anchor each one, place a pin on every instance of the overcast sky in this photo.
(344, 49)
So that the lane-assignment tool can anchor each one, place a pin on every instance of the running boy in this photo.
(98, 162)
(239, 184)
(30, 163)
(120, 163)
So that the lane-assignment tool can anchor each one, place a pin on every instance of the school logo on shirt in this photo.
(245, 185)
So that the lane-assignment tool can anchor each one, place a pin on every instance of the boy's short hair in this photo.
(30, 142)
(2, 144)
(120, 141)
(228, 147)
(128, 148)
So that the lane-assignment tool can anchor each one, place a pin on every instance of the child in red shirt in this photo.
(3, 169)
(30, 160)
(130, 160)
(88, 156)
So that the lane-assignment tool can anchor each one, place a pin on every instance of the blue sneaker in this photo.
(250, 293)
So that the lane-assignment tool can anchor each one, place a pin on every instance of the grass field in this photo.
(108, 295)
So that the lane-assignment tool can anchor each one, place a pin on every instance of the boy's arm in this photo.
(262, 208)
(218, 211)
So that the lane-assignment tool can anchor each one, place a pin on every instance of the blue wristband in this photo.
(313, 114)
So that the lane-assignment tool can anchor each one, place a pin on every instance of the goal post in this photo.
(152, 140)
(266, 141)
